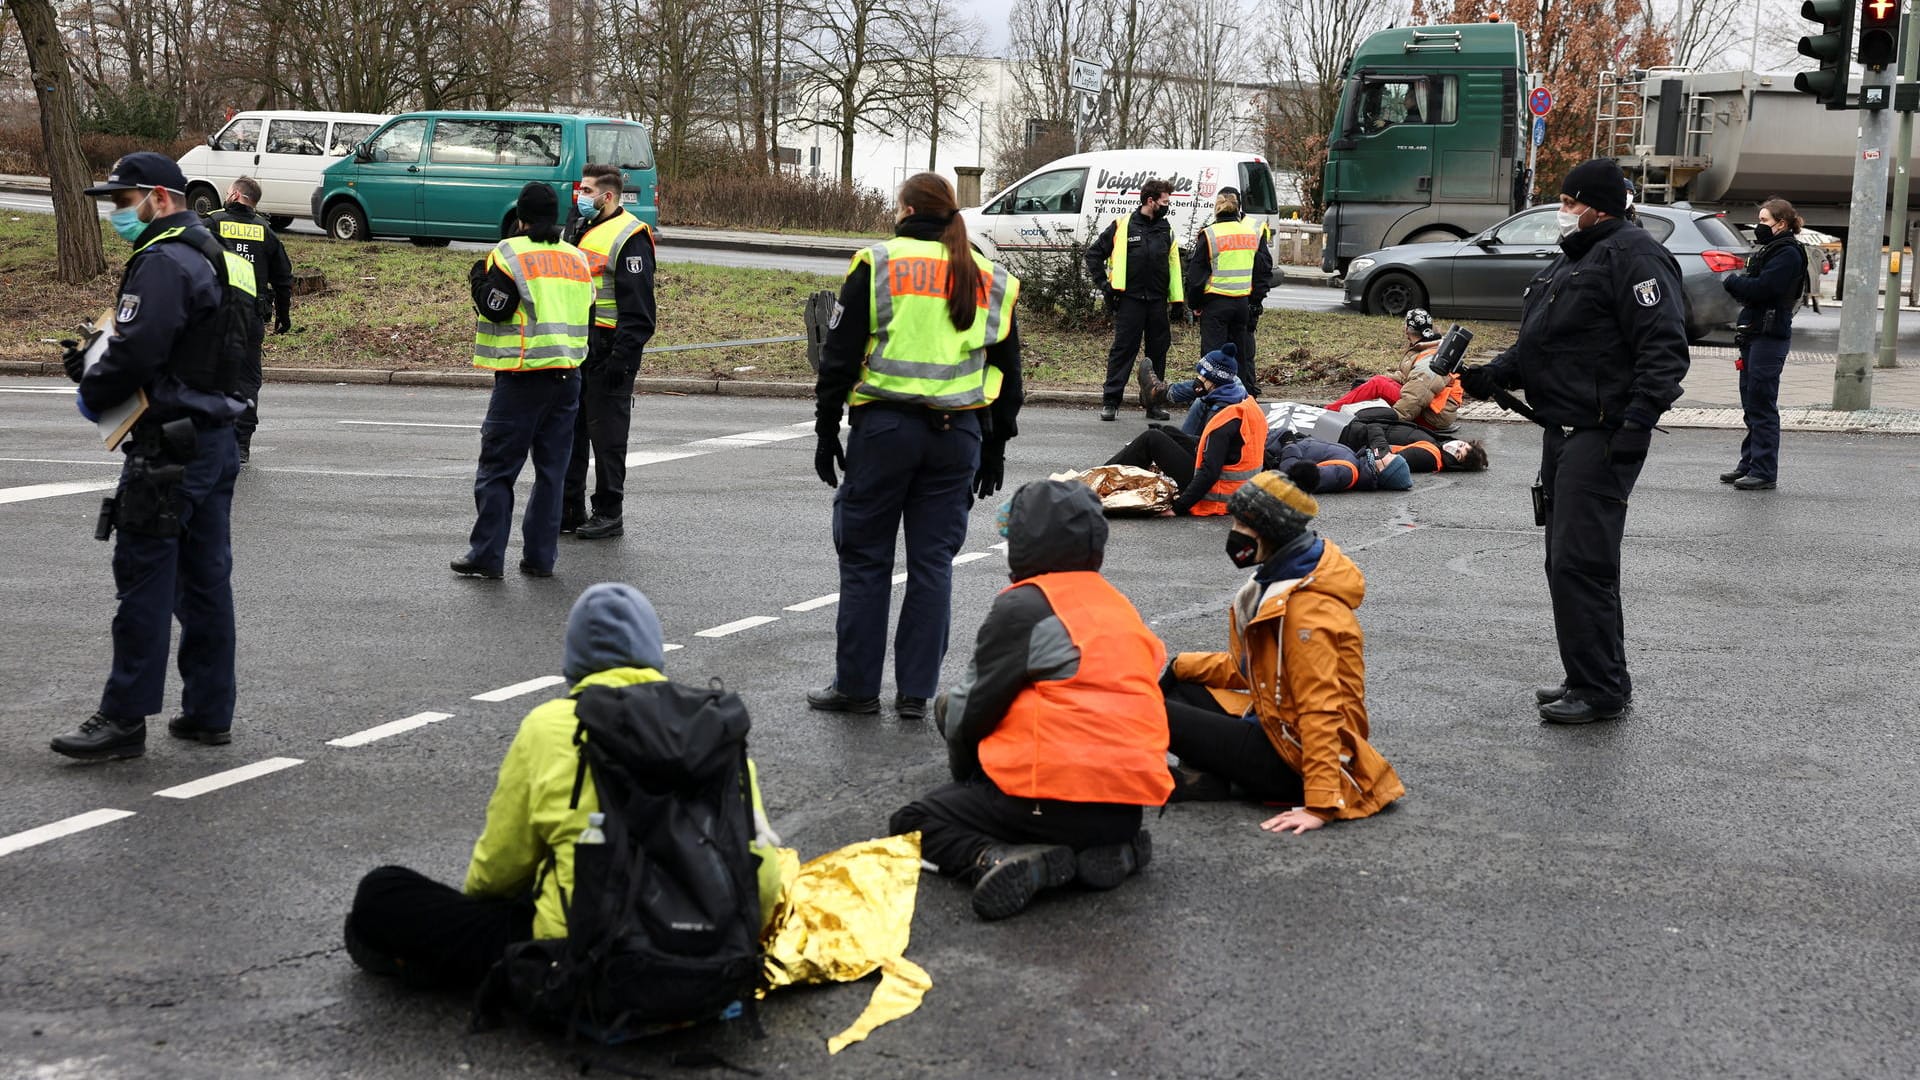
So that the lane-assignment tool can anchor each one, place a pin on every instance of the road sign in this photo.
(1540, 101)
(1539, 130)
(1086, 76)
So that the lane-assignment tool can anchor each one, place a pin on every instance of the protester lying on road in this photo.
(1056, 735)
(1417, 394)
(1317, 467)
(1383, 432)
(1212, 466)
(1216, 385)
(521, 874)
(1283, 715)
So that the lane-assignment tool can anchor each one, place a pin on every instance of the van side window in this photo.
(401, 142)
(304, 137)
(624, 145)
(1050, 193)
(346, 136)
(243, 135)
(1256, 189)
(530, 144)
(495, 142)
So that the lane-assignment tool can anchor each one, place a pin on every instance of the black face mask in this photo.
(1763, 233)
(1244, 550)
(1160, 211)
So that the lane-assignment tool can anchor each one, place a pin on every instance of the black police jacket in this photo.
(635, 315)
(1148, 240)
(1603, 332)
(1774, 281)
(248, 235)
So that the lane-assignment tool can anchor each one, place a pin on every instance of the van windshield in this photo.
(624, 145)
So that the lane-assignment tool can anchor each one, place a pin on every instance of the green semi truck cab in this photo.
(1431, 139)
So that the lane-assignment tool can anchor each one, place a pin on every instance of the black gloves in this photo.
(1629, 445)
(1478, 382)
(282, 320)
(1113, 300)
(73, 358)
(829, 452)
(1177, 312)
(993, 467)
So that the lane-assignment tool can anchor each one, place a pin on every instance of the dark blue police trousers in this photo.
(531, 412)
(1765, 359)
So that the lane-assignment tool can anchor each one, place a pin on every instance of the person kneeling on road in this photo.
(1056, 736)
(1282, 715)
(435, 936)
(1316, 466)
(1211, 467)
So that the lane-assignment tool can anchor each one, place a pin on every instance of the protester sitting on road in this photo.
(1317, 467)
(1209, 468)
(1056, 736)
(1216, 386)
(1382, 431)
(1282, 715)
(433, 935)
(1418, 394)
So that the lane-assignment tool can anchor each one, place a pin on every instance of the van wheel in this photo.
(280, 222)
(428, 241)
(202, 199)
(1393, 294)
(346, 222)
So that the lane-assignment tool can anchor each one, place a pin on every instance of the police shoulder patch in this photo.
(129, 307)
(496, 299)
(636, 263)
(1647, 292)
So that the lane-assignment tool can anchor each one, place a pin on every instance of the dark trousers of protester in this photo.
(1587, 493)
(251, 378)
(1157, 448)
(1134, 321)
(1204, 737)
(188, 577)
(901, 469)
(958, 821)
(531, 412)
(605, 417)
(440, 937)
(1765, 359)
(1224, 319)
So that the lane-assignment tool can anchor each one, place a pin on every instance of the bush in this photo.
(1054, 286)
(21, 152)
(137, 111)
(734, 199)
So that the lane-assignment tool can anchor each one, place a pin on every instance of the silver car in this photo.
(1483, 276)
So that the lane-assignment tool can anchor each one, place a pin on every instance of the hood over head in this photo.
(1055, 526)
(612, 625)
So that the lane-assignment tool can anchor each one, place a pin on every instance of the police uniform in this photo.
(620, 252)
(1137, 258)
(248, 235)
(535, 303)
(1601, 354)
(172, 557)
(1229, 265)
(932, 408)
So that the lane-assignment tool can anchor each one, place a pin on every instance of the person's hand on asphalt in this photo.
(1297, 820)
(829, 452)
(992, 473)
(1478, 382)
(72, 359)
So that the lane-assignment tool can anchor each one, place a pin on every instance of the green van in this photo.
(440, 176)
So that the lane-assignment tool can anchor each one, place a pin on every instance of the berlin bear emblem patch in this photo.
(129, 307)
(1647, 292)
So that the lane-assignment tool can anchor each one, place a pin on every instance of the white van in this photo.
(285, 151)
(1072, 200)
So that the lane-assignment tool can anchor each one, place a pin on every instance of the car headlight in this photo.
(1362, 263)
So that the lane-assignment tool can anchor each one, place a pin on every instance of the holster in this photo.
(149, 502)
(1540, 500)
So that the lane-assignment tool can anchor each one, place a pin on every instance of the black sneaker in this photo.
(100, 738)
(466, 567)
(600, 528)
(832, 700)
(180, 727)
(910, 708)
(1012, 875)
(1107, 866)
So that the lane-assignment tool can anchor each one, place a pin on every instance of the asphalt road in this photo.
(1722, 885)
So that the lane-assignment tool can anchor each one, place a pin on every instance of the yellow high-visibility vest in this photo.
(598, 245)
(549, 328)
(915, 354)
(1232, 245)
(1117, 264)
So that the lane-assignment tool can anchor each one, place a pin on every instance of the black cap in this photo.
(537, 206)
(1600, 184)
(1233, 191)
(142, 169)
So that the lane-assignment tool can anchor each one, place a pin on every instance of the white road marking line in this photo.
(654, 457)
(64, 827)
(898, 578)
(392, 727)
(815, 603)
(971, 556)
(63, 461)
(36, 390)
(228, 778)
(755, 438)
(407, 423)
(671, 647)
(736, 626)
(507, 693)
(31, 492)
(1001, 546)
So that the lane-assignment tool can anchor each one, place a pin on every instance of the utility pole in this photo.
(1852, 369)
(1897, 224)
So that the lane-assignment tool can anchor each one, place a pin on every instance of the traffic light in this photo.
(1879, 32)
(1833, 47)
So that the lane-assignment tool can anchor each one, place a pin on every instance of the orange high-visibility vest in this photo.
(1253, 451)
(1101, 735)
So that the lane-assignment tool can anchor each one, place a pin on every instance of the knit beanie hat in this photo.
(1599, 183)
(1421, 322)
(537, 206)
(1270, 505)
(1221, 366)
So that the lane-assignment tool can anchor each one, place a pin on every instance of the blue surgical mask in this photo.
(584, 203)
(126, 221)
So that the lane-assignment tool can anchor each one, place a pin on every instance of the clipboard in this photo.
(116, 422)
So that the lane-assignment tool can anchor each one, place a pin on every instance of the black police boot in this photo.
(182, 727)
(1011, 875)
(1753, 483)
(532, 570)
(1574, 709)
(465, 566)
(832, 700)
(1105, 867)
(1109, 412)
(600, 528)
(101, 738)
(1730, 477)
(1547, 695)
(910, 708)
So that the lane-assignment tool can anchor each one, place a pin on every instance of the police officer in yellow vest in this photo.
(248, 235)
(923, 348)
(534, 295)
(619, 250)
(1140, 263)
(1229, 268)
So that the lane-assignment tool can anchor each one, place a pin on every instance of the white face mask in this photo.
(1569, 222)
(1455, 448)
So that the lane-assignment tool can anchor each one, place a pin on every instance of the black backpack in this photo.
(663, 921)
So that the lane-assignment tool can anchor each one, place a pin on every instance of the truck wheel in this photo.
(1393, 293)
(346, 222)
(202, 199)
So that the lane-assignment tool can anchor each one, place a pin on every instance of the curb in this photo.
(822, 248)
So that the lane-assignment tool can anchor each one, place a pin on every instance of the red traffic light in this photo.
(1879, 32)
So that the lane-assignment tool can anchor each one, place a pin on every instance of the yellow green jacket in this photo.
(528, 818)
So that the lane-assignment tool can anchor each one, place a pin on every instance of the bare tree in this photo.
(1310, 42)
(758, 56)
(845, 59)
(1703, 32)
(939, 62)
(1045, 37)
(1134, 50)
(76, 224)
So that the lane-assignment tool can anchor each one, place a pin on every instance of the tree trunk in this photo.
(76, 220)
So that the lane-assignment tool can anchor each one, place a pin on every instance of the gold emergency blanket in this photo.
(844, 916)
(1124, 489)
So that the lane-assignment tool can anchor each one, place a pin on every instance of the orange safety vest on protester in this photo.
(1099, 736)
(1253, 451)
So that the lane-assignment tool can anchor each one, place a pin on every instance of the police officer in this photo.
(172, 558)
(923, 349)
(1140, 263)
(619, 250)
(1229, 270)
(247, 235)
(1601, 353)
(534, 295)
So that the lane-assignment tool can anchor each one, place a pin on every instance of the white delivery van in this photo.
(285, 151)
(1072, 200)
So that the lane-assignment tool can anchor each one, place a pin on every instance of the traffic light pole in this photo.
(1897, 224)
(1853, 370)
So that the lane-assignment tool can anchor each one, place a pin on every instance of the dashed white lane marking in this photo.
(30, 492)
(654, 457)
(671, 647)
(392, 727)
(898, 578)
(408, 423)
(64, 827)
(971, 556)
(36, 390)
(228, 778)
(508, 693)
(757, 438)
(115, 462)
(816, 603)
(736, 626)
(1001, 546)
